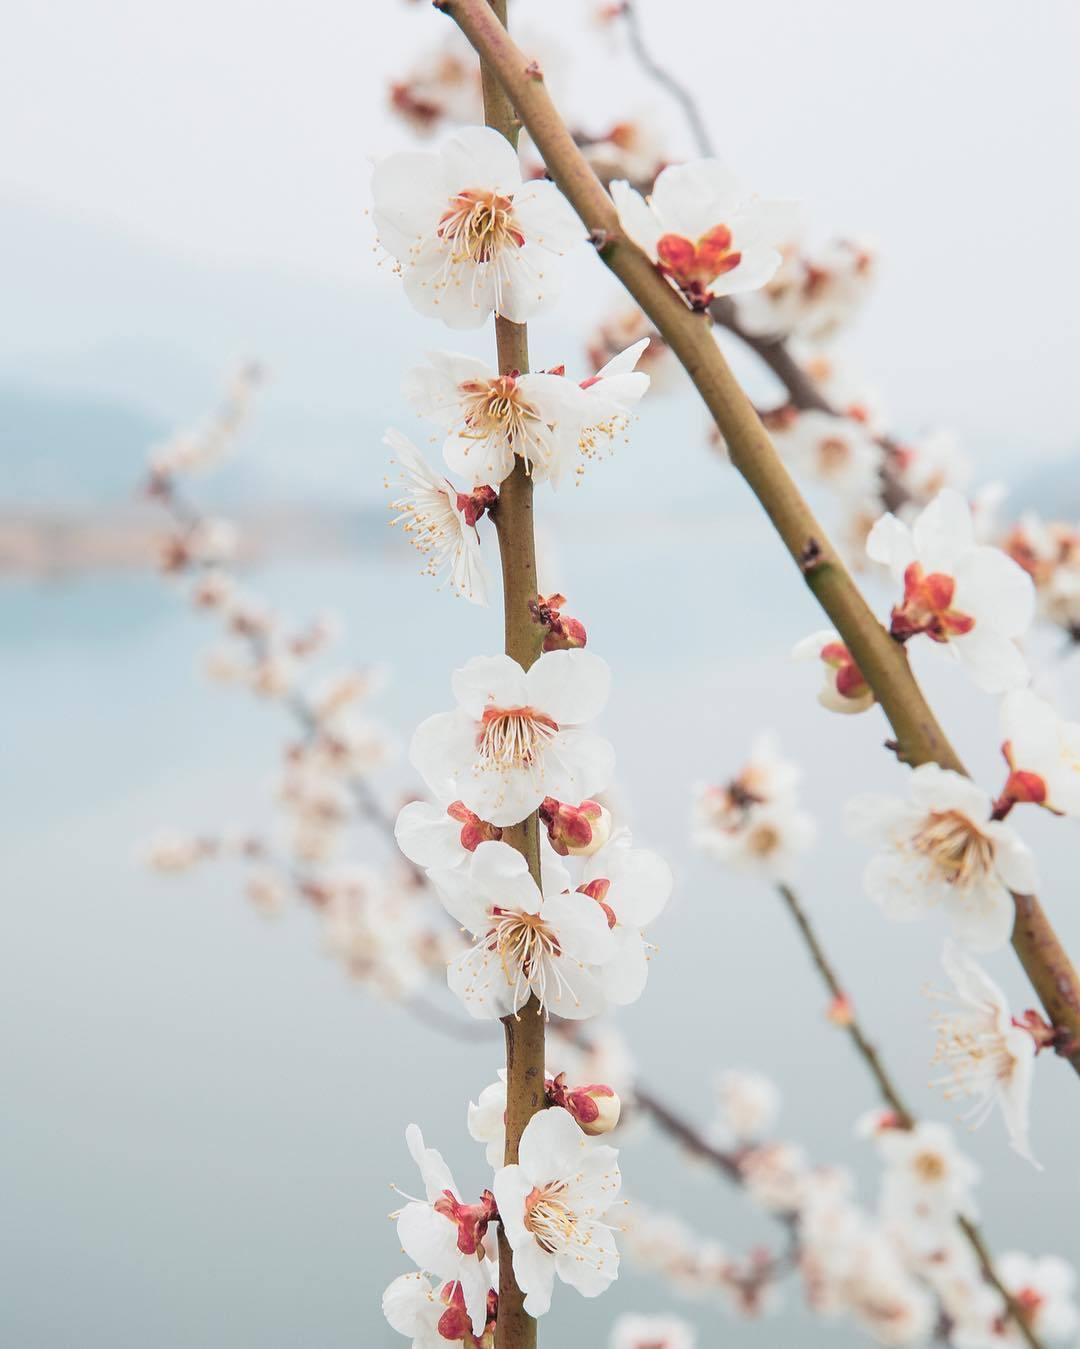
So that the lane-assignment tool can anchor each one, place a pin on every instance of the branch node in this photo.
(812, 556)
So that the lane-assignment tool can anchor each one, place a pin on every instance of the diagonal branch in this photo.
(882, 661)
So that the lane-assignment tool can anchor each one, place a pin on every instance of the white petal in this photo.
(943, 532)
(442, 747)
(534, 1271)
(624, 975)
(582, 927)
(690, 199)
(408, 1304)
(636, 219)
(500, 873)
(495, 681)
(890, 543)
(593, 1276)
(994, 661)
(981, 917)
(570, 686)
(576, 765)
(991, 586)
(1014, 860)
(547, 218)
(551, 1146)
(479, 157)
(428, 836)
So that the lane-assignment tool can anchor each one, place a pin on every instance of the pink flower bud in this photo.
(595, 1107)
(563, 633)
(575, 831)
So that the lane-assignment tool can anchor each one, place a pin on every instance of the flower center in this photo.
(478, 225)
(927, 607)
(513, 737)
(763, 840)
(495, 410)
(522, 940)
(929, 1166)
(833, 455)
(547, 1217)
(693, 266)
(956, 848)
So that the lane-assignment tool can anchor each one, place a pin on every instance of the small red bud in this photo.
(575, 831)
(596, 1107)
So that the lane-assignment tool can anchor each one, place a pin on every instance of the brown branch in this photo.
(905, 1118)
(524, 1031)
(882, 661)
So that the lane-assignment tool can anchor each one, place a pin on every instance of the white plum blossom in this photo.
(927, 1180)
(838, 452)
(971, 597)
(1043, 753)
(526, 942)
(517, 737)
(610, 398)
(435, 517)
(470, 237)
(754, 821)
(748, 1104)
(988, 1057)
(703, 231)
(1043, 1287)
(445, 1237)
(940, 848)
(433, 1318)
(554, 1204)
(491, 420)
(487, 1120)
(815, 293)
(845, 688)
(441, 838)
(652, 1332)
(631, 886)
(775, 1175)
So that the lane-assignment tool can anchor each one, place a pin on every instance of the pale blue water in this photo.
(201, 1117)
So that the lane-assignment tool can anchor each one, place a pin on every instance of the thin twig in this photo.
(905, 1118)
(657, 72)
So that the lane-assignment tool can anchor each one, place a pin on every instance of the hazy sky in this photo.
(241, 131)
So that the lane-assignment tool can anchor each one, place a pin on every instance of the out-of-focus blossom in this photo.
(651, 1332)
(517, 737)
(205, 446)
(987, 1056)
(970, 597)
(631, 149)
(754, 822)
(1043, 1286)
(845, 688)
(927, 1180)
(443, 86)
(1050, 554)
(625, 329)
(838, 452)
(703, 231)
(922, 468)
(747, 1106)
(814, 293)
(940, 848)
(439, 522)
(553, 1205)
(469, 236)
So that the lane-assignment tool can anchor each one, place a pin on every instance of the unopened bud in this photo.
(472, 505)
(563, 633)
(576, 831)
(474, 830)
(840, 1011)
(595, 1107)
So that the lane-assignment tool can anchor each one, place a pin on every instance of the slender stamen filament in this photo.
(959, 851)
(513, 737)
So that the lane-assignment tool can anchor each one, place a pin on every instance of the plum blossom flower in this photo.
(1043, 1288)
(553, 1205)
(440, 522)
(988, 1056)
(441, 838)
(611, 396)
(526, 942)
(630, 886)
(1049, 551)
(927, 1181)
(747, 1103)
(703, 231)
(754, 822)
(922, 468)
(491, 420)
(838, 452)
(971, 597)
(1043, 754)
(652, 1332)
(813, 294)
(470, 237)
(845, 688)
(442, 86)
(517, 737)
(940, 848)
(595, 1106)
(446, 1237)
(432, 1318)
